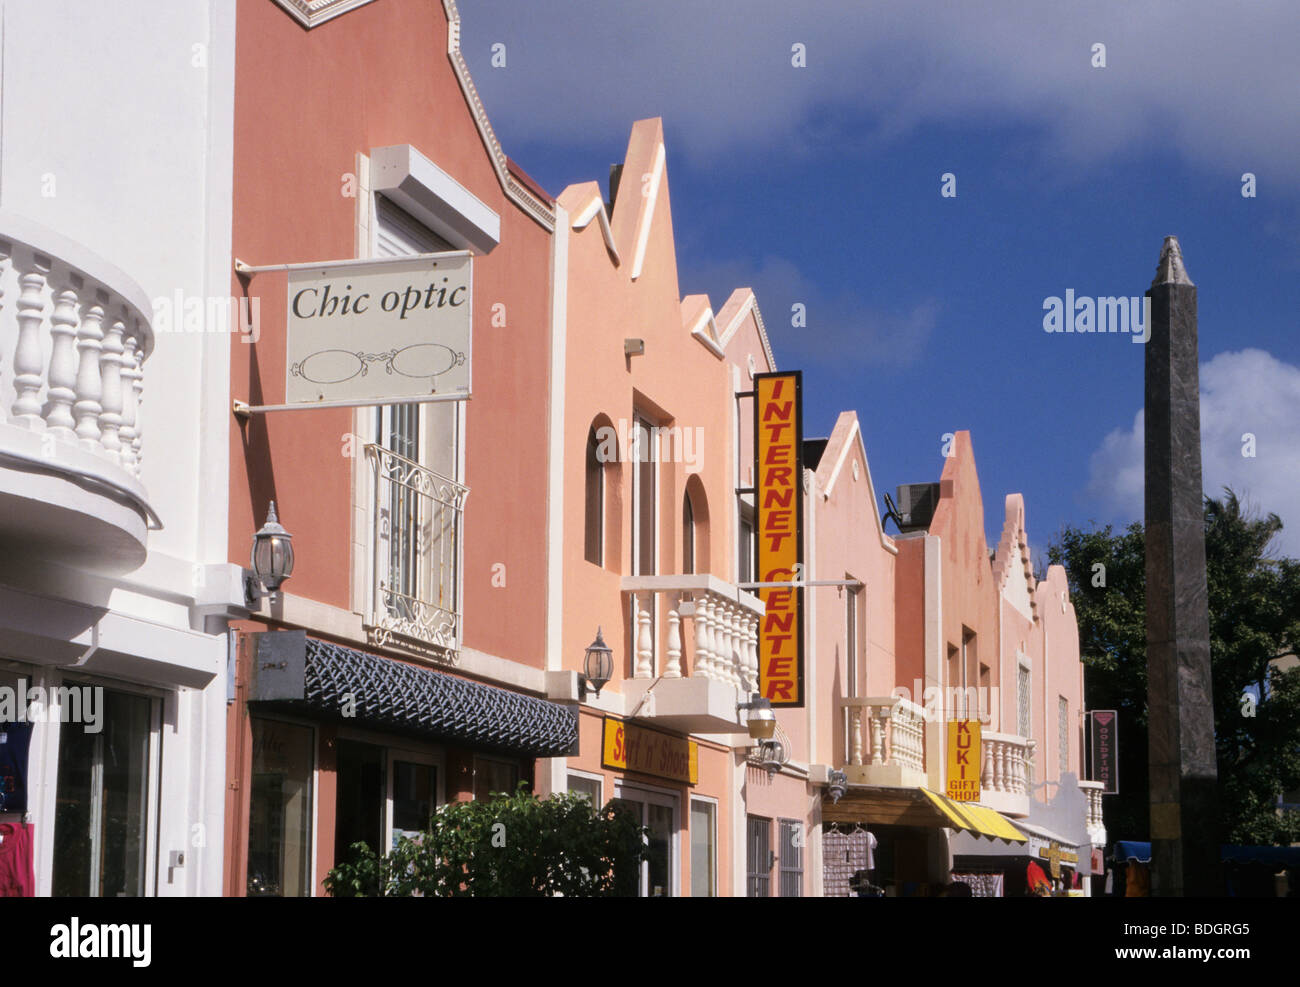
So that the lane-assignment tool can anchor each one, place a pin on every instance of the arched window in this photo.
(688, 535)
(594, 540)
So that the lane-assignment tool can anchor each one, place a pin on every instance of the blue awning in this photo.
(1276, 856)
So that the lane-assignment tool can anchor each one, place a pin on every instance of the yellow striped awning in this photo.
(977, 819)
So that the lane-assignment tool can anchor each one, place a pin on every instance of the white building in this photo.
(115, 160)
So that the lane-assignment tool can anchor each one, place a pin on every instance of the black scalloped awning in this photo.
(385, 694)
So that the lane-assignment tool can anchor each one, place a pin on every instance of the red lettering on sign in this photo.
(778, 475)
(777, 454)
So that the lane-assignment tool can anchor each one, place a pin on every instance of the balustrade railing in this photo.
(74, 338)
(720, 643)
(884, 731)
(1007, 764)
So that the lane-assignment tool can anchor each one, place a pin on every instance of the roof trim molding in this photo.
(705, 329)
(540, 211)
(748, 304)
(595, 209)
(310, 13)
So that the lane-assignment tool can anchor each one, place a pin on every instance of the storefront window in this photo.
(102, 801)
(590, 787)
(491, 775)
(279, 810)
(703, 850)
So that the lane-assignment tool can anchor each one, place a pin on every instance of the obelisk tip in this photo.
(1170, 269)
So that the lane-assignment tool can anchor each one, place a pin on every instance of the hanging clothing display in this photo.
(982, 884)
(1036, 879)
(17, 878)
(15, 739)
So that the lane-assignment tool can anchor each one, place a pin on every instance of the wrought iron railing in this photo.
(417, 552)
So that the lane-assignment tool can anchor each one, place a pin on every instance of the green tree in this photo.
(506, 846)
(1254, 609)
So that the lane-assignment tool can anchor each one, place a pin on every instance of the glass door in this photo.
(102, 800)
(361, 799)
(658, 813)
(413, 795)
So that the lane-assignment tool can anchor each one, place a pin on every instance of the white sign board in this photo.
(370, 332)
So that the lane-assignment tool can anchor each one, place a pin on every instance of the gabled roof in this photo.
(845, 437)
(1013, 570)
(515, 183)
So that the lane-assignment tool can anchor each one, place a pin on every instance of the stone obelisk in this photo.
(1183, 771)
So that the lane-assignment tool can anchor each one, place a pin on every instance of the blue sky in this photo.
(820, 185)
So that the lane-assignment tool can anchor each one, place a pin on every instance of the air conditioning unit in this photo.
(916, 505)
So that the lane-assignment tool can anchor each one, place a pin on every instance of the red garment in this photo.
(17, 879)
(1035, 876)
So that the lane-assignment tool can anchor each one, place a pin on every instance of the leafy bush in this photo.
(509, 845)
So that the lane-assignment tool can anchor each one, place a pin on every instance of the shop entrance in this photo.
(383, 795)
(359, 805)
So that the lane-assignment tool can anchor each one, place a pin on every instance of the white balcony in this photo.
(415, 593)
(691, 678)
(75, 335)
(1092, 791)
(884, 741)
(1007, 773)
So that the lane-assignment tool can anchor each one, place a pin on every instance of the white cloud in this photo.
(1242, 392)
(1208, 79)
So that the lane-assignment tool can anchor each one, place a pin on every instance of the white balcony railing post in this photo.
(673, 668)
(90, 344)
(644, 646)
(701, 667)
(28, 358)
(110, 366)
(61, 392)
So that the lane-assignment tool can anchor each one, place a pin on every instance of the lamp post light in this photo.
(597, 666)
(272, 561)
(762, 721)
(837, 785)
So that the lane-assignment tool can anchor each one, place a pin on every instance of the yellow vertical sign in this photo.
(964, 760)
(778, 510)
